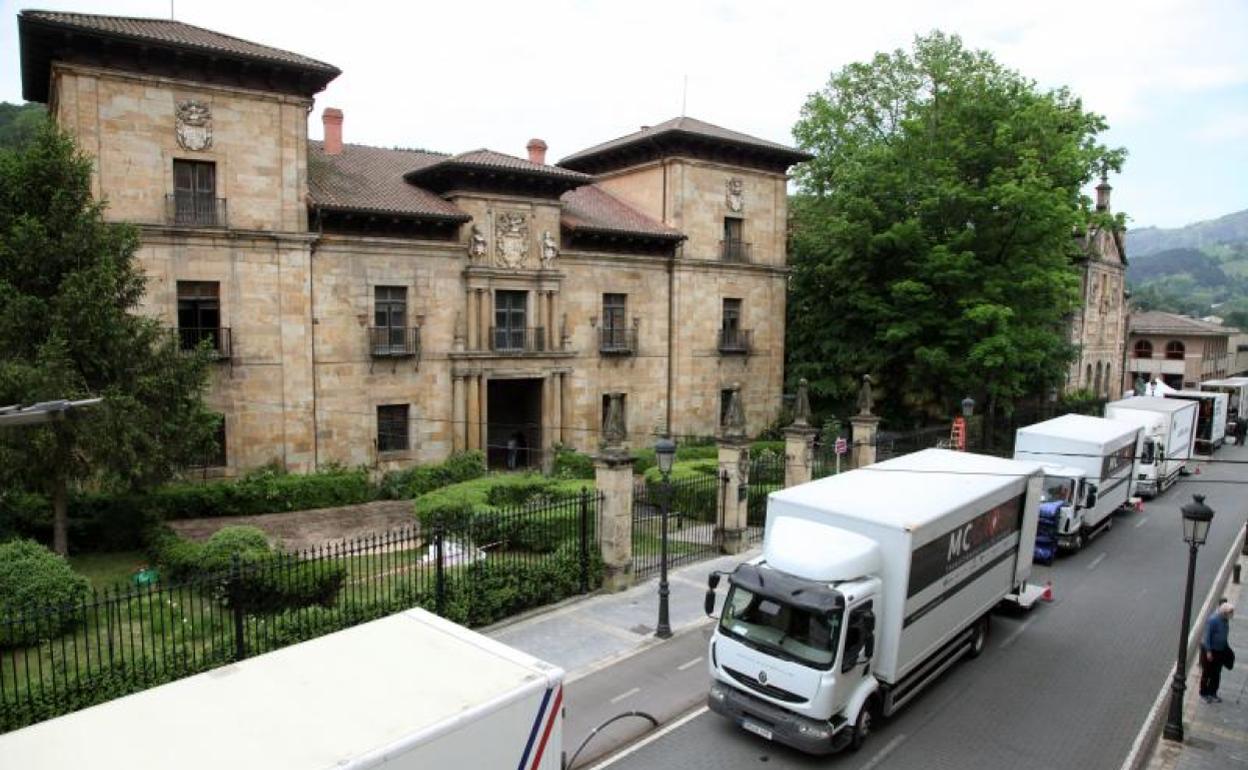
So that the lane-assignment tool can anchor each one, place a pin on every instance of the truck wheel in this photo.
(979, 638)
(862, 727)
(1076, 545)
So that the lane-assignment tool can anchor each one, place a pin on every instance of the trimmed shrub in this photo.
(217, 553)
(689, 498)
(33, 577)
(490, 511)
(571, 464)
(414, 482)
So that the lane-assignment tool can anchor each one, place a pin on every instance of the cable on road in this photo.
(639, 714)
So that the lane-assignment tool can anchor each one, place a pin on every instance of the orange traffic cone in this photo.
(1139, 506)
(1048, 591)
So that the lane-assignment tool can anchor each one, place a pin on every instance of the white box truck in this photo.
(1210, 417)
(1167, 443)
(410, 691)
(1101, 451)
(871, 584)
(1236, 390)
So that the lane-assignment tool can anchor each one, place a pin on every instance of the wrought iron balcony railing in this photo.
(217, 338)
(394, 341)
(734, 251)
(189, 210)
(518, 340)
(617, 341)
(736, 341)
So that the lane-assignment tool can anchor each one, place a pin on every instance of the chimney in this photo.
(537, 151)
(332, 118)
(1102, 192)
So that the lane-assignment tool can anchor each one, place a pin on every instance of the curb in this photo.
(1146, 740)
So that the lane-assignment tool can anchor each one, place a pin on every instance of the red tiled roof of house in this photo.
(592, 208)
(175, 33)
(1157, 322)
(371, 179)
(490, 160)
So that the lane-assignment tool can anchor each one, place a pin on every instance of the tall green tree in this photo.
(69, 286)
(20, 123)
(932, 233)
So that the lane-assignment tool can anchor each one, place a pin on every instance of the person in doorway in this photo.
(1214, 651)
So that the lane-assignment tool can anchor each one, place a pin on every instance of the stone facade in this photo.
(303, 246)
(1182, 352)
(1098, 328)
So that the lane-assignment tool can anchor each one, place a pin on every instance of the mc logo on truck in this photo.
(943, 555)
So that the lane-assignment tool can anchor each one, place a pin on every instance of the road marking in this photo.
(884, 752)
(1097, 561)
(624, 695)
(1141, 522)
(651, 738)
(1017, 633)
(689, 664)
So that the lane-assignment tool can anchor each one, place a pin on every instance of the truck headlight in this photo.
(717, 693)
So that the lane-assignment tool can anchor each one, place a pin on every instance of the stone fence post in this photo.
(865, 424)
(799, 440)
(613, 476)
(734, 479)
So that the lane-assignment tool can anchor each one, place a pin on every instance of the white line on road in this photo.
(884, 752)
(651, 738)
(627, 694)
(689, 664)
(1017, 633)
(1141, 522)
(1097, 561)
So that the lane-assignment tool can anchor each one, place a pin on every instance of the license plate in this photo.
(750, 727)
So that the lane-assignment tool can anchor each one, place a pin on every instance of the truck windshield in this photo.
(1146, 454)
(787, 632)
(1058, 489)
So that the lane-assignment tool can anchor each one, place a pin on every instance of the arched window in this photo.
(1087, 380)
(1109, 368)
(1143, 349)
(1175, 350)
(1096, 388)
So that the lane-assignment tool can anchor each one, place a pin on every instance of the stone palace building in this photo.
(387, 307)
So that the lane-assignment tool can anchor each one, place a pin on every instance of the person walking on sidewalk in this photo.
(1215, 650)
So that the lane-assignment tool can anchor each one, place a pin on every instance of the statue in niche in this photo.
(477, 247)
(193, 125)
(511, 240)
(550, 249)
(735, 197)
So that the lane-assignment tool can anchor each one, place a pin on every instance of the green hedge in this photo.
(571, 464)
(485, 510)
(31, 577)
(414, 482)
(689, 498)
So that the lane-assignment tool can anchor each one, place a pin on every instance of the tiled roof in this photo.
(175, 33)
(371, 179)
(1157, 322)
(591, 208)
(490, 160)
(691, 127)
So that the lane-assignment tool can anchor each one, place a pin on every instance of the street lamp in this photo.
(665, 453)
(1196, 520)
(968, 407)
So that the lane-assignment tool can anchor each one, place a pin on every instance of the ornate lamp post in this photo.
(1196, 519)
(968, 407)
(665, 453)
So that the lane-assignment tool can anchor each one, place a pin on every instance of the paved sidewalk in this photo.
(1216, 735)
(585, 635)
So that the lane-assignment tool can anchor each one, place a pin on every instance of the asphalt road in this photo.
(1067, 686)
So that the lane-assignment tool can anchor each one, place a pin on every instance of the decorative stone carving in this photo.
(477, 246)
(511, 240)
(801, 409)
(865, 399)
(734, 420)
(614, 431)
(735, 197)
(550, 250)
(193, 125)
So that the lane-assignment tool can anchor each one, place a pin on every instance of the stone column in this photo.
(864, 426)
(734, 479)
(483, 392)
(539, 318)
(565, 397)
(484, 301)
(474, 315)
(613, 476)
(799, 439)
(546, 424)
(459, 409)
(552, 334)
(556, 408)
(474, 413)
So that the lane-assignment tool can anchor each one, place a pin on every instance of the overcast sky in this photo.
(454, 75)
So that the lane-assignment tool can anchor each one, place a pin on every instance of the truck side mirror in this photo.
(708, 604)
(1091, 497)
(712, 581)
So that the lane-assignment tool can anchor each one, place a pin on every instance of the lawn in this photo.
(107, 570)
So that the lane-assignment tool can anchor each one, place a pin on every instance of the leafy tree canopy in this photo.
(69, 286)
(20, 123)
(932, 233)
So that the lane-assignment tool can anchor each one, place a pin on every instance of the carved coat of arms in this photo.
(511, 240)
(194, 125)
(735, 197)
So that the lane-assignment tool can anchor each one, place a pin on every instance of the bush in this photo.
(693, 495)
(485, 511)
(32, 577)
(414, 482)
(217, 554)
(487, 592)
(571, 464)
(698, 450)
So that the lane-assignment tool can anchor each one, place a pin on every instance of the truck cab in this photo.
(1065, 494)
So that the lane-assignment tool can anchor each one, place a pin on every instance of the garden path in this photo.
(297, 530)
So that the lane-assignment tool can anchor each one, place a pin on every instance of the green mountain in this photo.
(1212, 234)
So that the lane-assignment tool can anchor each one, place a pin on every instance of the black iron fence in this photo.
(766, 476)
(473, 567)
(692, 521)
